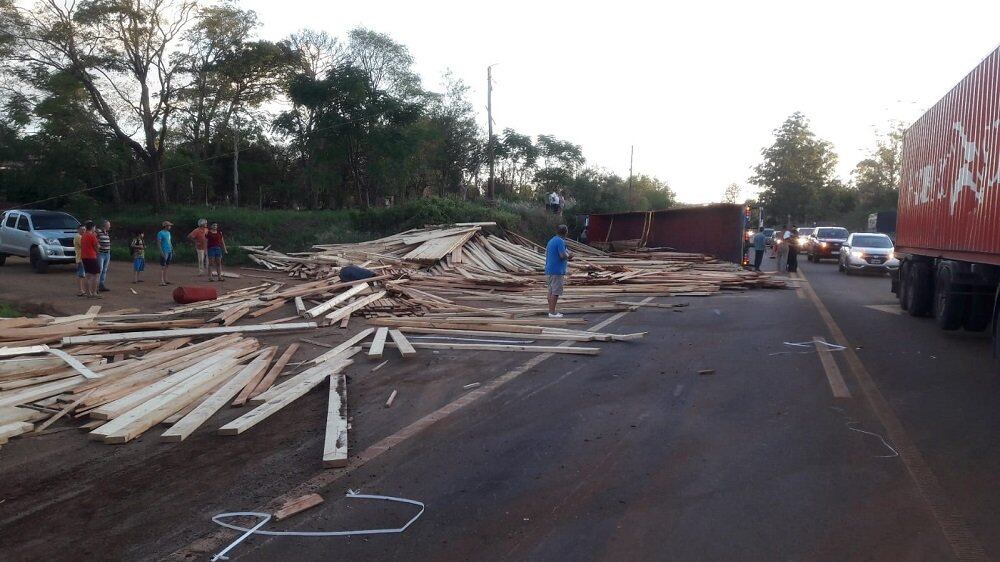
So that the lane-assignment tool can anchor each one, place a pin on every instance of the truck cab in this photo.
(44, 237)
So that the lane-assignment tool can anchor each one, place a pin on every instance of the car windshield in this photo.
(872, 242)
(54, 221)
(805, 231)
(831, 233)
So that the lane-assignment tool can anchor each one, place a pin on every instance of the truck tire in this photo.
(904, 285)
(38, 263)
(3, 259)
(978, 313)
(949, 307)
(920, 292)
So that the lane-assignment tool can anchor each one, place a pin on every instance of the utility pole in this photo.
(631, 154)
(489, 125)
(236, 167)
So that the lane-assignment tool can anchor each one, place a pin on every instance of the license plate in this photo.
(877, 261)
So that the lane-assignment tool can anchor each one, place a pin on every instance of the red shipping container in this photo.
(716, 230)
(949, 192)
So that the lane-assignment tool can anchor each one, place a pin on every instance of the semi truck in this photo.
(948, 216)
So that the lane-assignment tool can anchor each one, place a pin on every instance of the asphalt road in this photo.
(633, 455)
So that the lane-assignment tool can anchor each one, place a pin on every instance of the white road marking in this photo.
(890, 308)
(833, 375)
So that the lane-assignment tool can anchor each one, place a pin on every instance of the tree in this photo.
(876, 178)
(386, 63)
(794, 170)
(120, 51)
(732, 194)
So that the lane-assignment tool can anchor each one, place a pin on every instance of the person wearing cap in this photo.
(198, 236)
(166, 245)
(216, 247)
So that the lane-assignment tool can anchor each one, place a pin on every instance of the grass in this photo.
(297, 231)
(8, 311)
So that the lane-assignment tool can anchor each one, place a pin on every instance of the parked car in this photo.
(769, 236)
(870, 252)
(802, 240)
(825, 243)
(44, 237)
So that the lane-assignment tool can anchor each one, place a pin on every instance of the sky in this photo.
(696, 87)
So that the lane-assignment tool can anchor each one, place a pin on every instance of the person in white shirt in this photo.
(553, 204)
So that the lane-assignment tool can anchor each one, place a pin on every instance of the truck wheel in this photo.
(3, 259)
(904, 285)
(920, 293)
(979, 313)
(37, 262)
(949, 308)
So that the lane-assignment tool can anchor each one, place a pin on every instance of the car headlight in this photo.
(822, 244)
(890, 256)
(857, 254)
(52, 241)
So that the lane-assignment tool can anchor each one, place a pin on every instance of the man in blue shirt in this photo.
(759, 244)
(164, 241)
(556, 256)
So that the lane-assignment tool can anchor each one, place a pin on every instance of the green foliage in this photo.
(9, 311)
(876, 178)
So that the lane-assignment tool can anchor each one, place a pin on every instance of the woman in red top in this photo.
(88, 256)
(216, 247)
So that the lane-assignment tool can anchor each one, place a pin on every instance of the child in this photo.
(81, 275)
(164, 241)
(138, 248)
(216, 247)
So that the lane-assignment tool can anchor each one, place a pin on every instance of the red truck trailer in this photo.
(948, 225)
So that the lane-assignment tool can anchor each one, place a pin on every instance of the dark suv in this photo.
(825, 243)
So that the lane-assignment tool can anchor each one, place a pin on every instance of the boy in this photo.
(556, 257)
(138, 247)
(166, 245)
(216, 244)
(198, 236)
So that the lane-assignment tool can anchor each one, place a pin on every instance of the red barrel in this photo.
(188, 295)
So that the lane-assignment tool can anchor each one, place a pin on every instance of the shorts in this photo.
(165, 259)
(138, 264)
(92, 266)
(80, 272)
(215, 252)
(555, 284)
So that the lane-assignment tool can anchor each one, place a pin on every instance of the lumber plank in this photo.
(260, 368)
(335, 443)
(378, 343)
(351, 342)
(268, 379)
(324, 307)
(298, 505)
(347, 310)
(184, 332)
(14, 429)
(508, 347)
(186, 425)
(304, 383)
(133, 423)
(405, 349)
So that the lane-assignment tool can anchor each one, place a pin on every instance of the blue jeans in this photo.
(105, 261)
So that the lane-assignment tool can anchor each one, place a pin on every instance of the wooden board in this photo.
(186, 425)
(335, 443)
(505, 347)
(298, 505)
(184, 332)
(378, 343)
(342, 297)
(268, 379)
(344, 346)
(303, 384)
(405, 349)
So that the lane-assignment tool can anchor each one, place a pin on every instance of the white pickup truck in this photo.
(44, 237)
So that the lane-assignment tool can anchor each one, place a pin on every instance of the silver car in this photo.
(44, 237)
(867, 252)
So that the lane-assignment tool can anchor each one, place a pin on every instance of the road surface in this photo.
(885, 450)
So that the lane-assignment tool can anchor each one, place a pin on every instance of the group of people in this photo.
(785, 252)
(93, 254)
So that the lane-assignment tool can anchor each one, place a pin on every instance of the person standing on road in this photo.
(88, 253)
(81, 275)
(782, 244)
(556, 258)
(759, 245)
(104, 254)
(216, 247)
(793, 249)
(201, 246)
(166, 245)
(138, 249)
